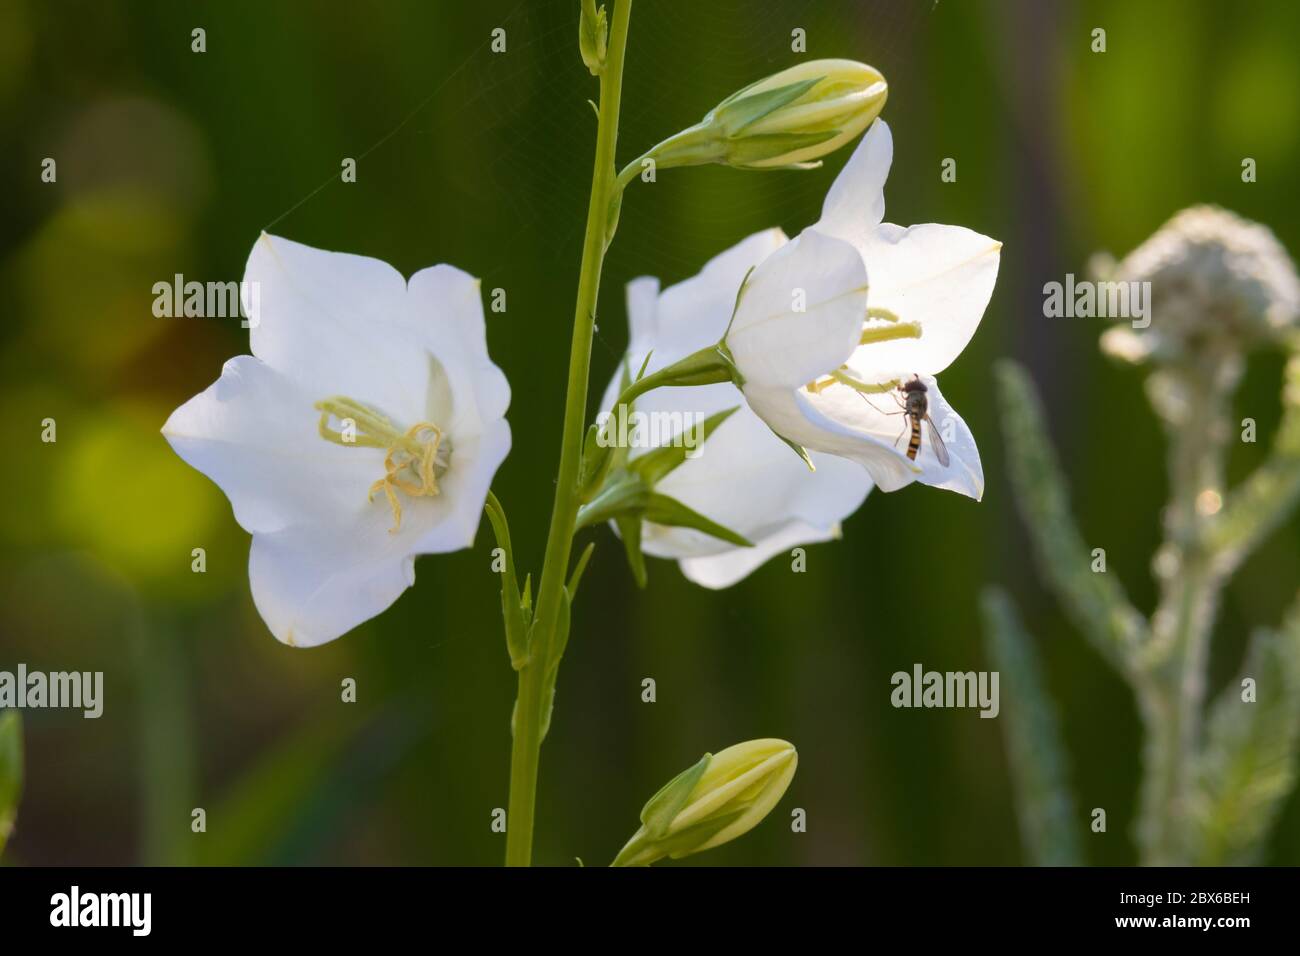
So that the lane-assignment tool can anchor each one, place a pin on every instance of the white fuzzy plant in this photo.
(1213, 778)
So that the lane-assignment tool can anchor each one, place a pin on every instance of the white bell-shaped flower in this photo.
(364, 430)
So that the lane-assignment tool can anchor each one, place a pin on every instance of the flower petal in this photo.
(837, 421)
(465, 488)
(642, 304)
(325, 320)
(311, 584)
(693, 314)
(254, 433)
(722, 570)
(855, 204)
(964, 473)
(801, 312)
(747, 479)
(873, 431)
(940, 276)
(444, 306)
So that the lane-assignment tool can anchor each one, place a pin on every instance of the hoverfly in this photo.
(911, 398)
(917, 409)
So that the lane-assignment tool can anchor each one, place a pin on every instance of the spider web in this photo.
(522, 118)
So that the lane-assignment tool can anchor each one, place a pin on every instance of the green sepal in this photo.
(739, 111)
(664, 510)
(645, 364)
(654, 465)
(597, 459)
(708, 366)
(798, 449)
(627, 494)
(629, 530)
(690, 839)
(755, 149)
(658, 813)
(576, 577)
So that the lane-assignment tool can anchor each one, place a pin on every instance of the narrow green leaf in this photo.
(596, 459)
(554, 654)
(1248, 765)
(624, 495)
(654, 465)
(629, 530)
(644, 365)
(576, 577)
(1045, 808)
(1269, 496)
(1095, 601)
(512, 608)
(669, 511)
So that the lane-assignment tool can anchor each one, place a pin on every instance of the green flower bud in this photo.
(720, 798)
(593, 36)
(792, 118)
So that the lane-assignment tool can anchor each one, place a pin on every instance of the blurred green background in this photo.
(171, 161)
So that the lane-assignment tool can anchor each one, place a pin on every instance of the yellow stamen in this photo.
(899, 330)
(870, 335)
(411, 460)
(841, 376)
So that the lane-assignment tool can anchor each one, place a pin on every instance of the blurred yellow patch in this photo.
(120, 491)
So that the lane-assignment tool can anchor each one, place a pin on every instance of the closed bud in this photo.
(718, 799)
(593, 34)
(792, 118)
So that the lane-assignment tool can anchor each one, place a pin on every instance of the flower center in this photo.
(414, 459)
(871, 334)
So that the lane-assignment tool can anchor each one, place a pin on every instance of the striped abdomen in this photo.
(914, 443)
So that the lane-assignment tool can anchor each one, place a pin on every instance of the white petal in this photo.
(694, 313)
(801, 312)
(312, 585)
(723, 570)
(464, 488)
(839, 422)
(964, 473)
(326, 320)
(444, 308)
(690, 315)
(855, 204)
(642, 304)
(872, 431)
(748, 480)
(254, 433)
(939, 276)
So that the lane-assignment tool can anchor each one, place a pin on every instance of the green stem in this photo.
(1172, 694)
(526, 751)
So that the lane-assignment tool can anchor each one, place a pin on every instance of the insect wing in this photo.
(940, 450)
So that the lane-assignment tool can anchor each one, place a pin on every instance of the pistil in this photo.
(414, 459)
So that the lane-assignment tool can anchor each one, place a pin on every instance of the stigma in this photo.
(414, 458)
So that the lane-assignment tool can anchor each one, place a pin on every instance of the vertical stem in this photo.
(1172, 696)
(526, 751)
